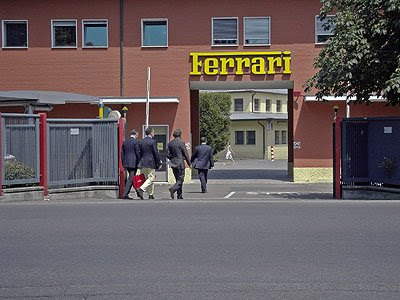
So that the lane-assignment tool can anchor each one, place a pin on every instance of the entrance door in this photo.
(161, 136)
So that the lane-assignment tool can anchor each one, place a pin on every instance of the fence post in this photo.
(43, 153)
(121, 171)
(337, 158)
(1, 159)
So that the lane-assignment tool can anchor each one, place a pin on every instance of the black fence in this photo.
(371, 151)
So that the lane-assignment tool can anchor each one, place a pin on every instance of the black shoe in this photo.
(180, 197)
(171, 193)
(137, 193)
(151, 197)
(204, 191)
(140, 193)
(127, 198)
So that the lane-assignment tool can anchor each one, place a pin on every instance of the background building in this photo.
(258, 121)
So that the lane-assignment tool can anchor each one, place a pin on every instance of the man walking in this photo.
(202, 160)
(130, 156)
(177, 153)
(149, 162)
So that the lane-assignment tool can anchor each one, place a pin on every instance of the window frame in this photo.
(280, 106)
(283, 137)
(3, 31)
(243, 137)
(316, 30)
(259, 105)
(93, 21)
(277, 137)
(247, 137)
(52, 33)
(234, 104)
(212, 32)
(142, 21)
(244, 32)
(268, 105)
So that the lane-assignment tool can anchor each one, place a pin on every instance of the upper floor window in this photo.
(95, 33)
(63, 34)
(267, 105)
(256, 104)
(225, 31)
(278, 105)
(324, 29)
(15, 34)
(238, 104)
(154, 33)
(257, 31)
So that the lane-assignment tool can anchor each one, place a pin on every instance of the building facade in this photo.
(104, 48)
(259, 126)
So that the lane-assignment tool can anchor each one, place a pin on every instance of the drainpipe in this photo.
(252, 101)
(121, 48)
(263, 138)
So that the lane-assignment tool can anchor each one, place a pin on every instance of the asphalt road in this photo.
(200, 250)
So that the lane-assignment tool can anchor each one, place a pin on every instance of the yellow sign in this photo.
(236, 63)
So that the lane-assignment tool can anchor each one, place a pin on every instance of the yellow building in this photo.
(259, 122)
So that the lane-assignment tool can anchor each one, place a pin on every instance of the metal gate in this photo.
(20, 149)
(370, 151)
(82, 152)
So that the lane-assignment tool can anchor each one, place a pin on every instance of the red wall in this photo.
(97, 71)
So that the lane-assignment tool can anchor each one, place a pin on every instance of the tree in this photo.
(215, 110)
(363, 56)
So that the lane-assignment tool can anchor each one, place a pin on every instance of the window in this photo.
(324, 29)
(284, 141)
(278, 105)
(95, 33)
(251, 137)
(257, 31)
(155, 33)
(268, 105)
(224, 31)
(238, 104)
(256, 104)
(63, 33)
(239, 137)
(276, 137)
(15, 34)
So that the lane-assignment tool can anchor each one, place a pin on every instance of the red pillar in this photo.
(43, 153)
(338, 135)
(195, 117)
(121, 171)
(1, 160)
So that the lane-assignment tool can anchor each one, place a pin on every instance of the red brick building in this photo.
(103, 48)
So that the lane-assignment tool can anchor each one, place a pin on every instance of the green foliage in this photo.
(215, 110)
(363, 57)
(17, 170)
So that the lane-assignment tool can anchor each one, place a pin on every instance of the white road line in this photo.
(229, 195)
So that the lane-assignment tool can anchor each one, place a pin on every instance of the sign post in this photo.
(148, 97)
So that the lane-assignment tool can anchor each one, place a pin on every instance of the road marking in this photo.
(229, 195)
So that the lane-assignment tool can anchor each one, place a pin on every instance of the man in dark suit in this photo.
(202, 160)
(177, 153)
(130, 156)
(149, 162)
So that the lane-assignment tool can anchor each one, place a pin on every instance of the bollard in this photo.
(272, 153)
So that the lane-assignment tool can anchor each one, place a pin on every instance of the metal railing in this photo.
(20, 149)
(81, 152)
